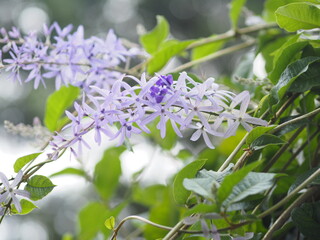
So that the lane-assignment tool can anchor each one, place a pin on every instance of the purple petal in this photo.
(244, 105)
(196, 135)
(4, 180)
(232, 129)
(207, 140)
(256, 121)
(17, 179)
(246, 126)
(239, 98)
(4, 196)
(16, 202)
(22, 193)
(175, 128)
(162, 126)
(150, 118)
(228, 115)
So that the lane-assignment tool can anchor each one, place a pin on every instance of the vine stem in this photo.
(291, 194)
(297, 119)
(231, 34)
(284, 147)
(212, 56)
(134, 217)
(285, 215)
(116, 69)
(174, 231)
(234, 153)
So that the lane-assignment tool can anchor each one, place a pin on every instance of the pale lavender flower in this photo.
(125, 131)
(69, 58)
(238, 117)
(165, 113)
(9, 191)
(202, 130)
(196, 109)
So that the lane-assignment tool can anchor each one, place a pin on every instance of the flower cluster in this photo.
(116, 104)
(67, 57)
(132, 103)
(9, 192)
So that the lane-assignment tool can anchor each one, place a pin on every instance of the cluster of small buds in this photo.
(9, 192)
(37, 131)
(67, 57)
(185, 103)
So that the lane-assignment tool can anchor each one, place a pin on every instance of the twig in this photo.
(297, 119)
(286, 214)
(291, 194)
(214, 55)
(231, 34)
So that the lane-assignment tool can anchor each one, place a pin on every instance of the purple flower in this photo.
(238, 117)
(162, 88)
(202, 130)
(125, 131)
(165, 112)
(9, 191)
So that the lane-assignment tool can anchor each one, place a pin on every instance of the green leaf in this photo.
(272, 5)
(184, 154)
(91, 219)
(284, 56)
(307, 219)
(290, 74)
(67, 236)
(307, 80)
(162, 212)
(252, 184)
(204, 50)
(269, 41)
(257, 132)
(26, 207)
(233, 179)
(39, 186)
(110, 223)
(161, 57)
(70, 171)
(57, 103)
(235, 10)
(180, 193)
(152, 40)
(201, 208)
(300, 179)
(245, 66)
(22, 161)
(107, 172)
(204, 187)
(291, 126)
(265, 140)
(170, 139)
(217, 176)
(148, 196)
(295, 16)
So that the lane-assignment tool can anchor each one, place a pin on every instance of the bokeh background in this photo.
(189, 19)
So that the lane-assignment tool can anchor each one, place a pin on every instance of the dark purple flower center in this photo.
(161, 87)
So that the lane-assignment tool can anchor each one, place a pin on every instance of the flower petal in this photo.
(17, 179)
(4, 180)
(256, 121)
(232, 129)
(207, 140)
(196, 135)
(22, 193)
